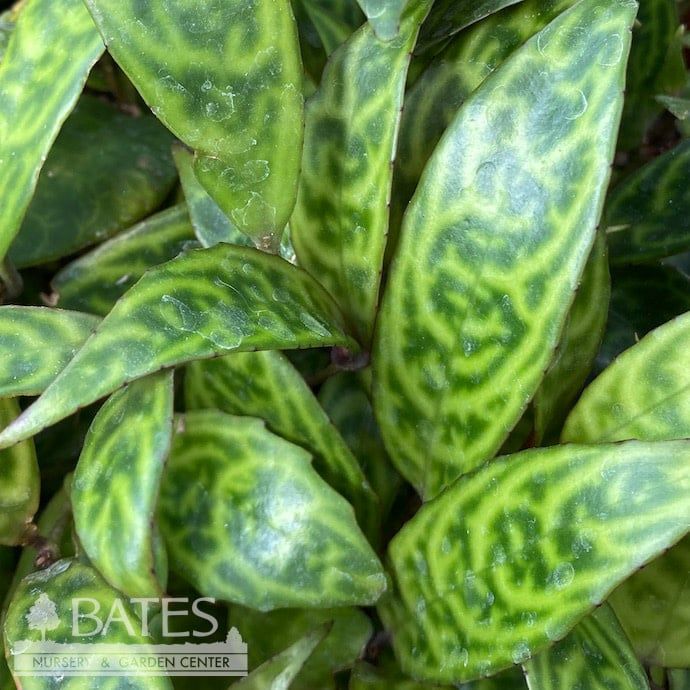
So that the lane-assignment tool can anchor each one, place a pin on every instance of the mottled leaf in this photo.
(334, 21)
(8, 20)
(204, 303)
(48, 58)
(63, 582)
(95, 281)
(211, 225)
(226, 78)
(509, 558)
(105, 171)
(494, 243)
(386, 16)
(247, 519)
(266, 385)
(20, 483)
(37, 343)
(577, 348)
(648, 213)
(596, 655)
(115, 487)
(266, 634)
(351, 134)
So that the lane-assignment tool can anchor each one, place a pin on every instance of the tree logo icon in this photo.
(43, 615)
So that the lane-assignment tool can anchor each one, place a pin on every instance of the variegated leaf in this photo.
(116, 483)
(334, 21)
(385, 16)
(350, 141)
(492, 248)
(48, 58)
(226, 78)
(204, 303)
(247, 519)
(266, 385)
(509, 558)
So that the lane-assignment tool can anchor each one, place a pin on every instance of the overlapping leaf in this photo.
(205, 303)
(226, 78)
(341, 219)
(247, 519)
(596, 655)
(105, 171)
(266, 385)
(19, 483)
(507, 560)
(115, 487)
(37, 343)
(385, 16)
(95, 281)
(334, 21)
(49, 55)
(492, 247)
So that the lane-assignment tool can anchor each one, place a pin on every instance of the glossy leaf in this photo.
(247, 519)
(211, 225)
(492, 247)
(577, 348)
(350, 141)
(334, 21)
(278, 673)
(644, 394)
(247, 300)
(266, 385)
(509, 558)
(596, 655)
(385, 16)
(226, 78)
(678, 107)
(20, 483)
(95, 281)
(648, 214)
(48, 57)
(37, 343)
(105, 171)
(115, 488)
(266, 634)
(8, 20)
(63, 582)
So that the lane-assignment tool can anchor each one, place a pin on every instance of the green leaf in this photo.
(578, 346)
(678, 107)
(37, 343)
(679, 679)
(204, 303)
(366, 677)
(228, 82)
(95, 281)
(247, 519)
(61, 584)
(266, 634)
(492, 247)
(644, 394)
(386, 16)
(20, 483)
(648, 213)
(105, 171)
(350, 141)
(49, 55)
(115, 487)
(266, 385)
(278, 673)
(211, 225)
(509, 558)
(596, 655)
(334, 21)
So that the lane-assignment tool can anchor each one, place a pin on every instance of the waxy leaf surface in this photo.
(49, 55)
(509, 558)
(247, 519)
(226, 78)
(95, 281)
(20, 483)
(340, 223)
(266, 385)
(115, 487)
(105, 171)
(385, 16)
(492, 248)
(204, 303)
(36, 344)
(595, 655)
